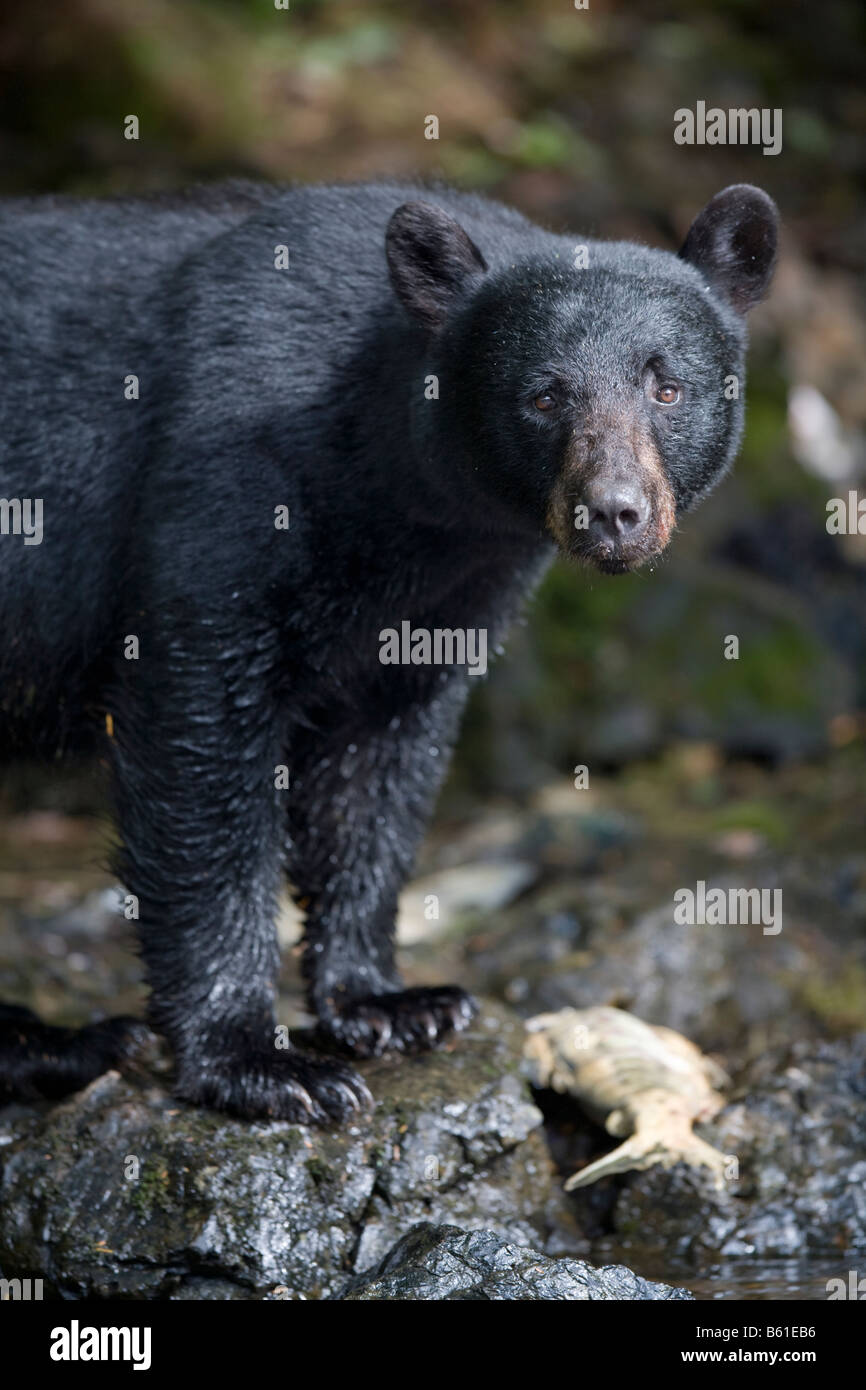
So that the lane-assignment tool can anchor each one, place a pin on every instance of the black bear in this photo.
(247, 432)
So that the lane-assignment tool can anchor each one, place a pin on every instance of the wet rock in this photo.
(798, 1131)
(736, 981)
(730, 988)
(120, 1191)
(432, 906)
(443, 1263)
(453, 892)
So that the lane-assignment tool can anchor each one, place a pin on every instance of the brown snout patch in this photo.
(621, 448)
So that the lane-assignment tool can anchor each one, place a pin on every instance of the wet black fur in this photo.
(259, 647)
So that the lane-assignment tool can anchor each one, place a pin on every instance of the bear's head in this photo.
(593, 391)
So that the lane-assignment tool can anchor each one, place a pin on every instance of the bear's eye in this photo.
(668, 394)
(544, 401)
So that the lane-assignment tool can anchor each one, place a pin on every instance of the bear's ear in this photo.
(733, 243)
(431, 259)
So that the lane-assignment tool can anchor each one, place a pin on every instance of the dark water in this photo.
(783, 1281)
(748, 1280)
(744, 1278)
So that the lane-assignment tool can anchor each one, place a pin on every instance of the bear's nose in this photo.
(616, 513)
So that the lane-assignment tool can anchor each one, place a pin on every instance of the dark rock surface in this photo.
(732, 989)
(221, 1209)
(443, 1263)
(798, 1131)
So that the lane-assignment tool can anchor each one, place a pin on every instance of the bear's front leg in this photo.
(196, 743)
(360, 804)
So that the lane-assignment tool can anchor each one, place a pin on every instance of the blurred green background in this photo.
(568, 114)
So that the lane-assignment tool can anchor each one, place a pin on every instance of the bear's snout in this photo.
(615, 513)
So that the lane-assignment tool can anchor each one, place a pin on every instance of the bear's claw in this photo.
(289, 1086)
(409, 1020)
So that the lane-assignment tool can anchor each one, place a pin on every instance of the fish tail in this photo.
(632, 1154)
(645, 1150)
